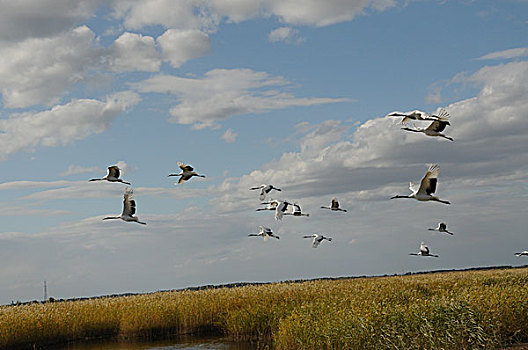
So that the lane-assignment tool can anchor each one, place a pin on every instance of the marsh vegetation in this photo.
(455, 310)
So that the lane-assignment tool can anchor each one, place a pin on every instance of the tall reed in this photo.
(456, 310)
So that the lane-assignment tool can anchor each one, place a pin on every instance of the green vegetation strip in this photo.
(454, 310)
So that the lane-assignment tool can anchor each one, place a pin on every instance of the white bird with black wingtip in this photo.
(264, 190)
(317, 239)
(427, 187)
(334, 206)
(270, 205)
(186, 173)
(442, 227)
(112, 176)
(421, 115)
(424, 251)
(264, 232)
(129, 208)
(296, 211)
(523, 253)
(434, 129)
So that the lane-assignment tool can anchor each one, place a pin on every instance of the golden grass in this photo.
(455, 310)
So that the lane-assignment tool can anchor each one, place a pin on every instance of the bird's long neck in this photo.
(398, 196)
(112, 217)
(414, 130)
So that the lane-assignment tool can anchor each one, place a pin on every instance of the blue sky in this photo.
(293, 93)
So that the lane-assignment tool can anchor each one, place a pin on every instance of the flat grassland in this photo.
(451, 310)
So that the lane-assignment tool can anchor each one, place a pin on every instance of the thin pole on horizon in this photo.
(45, 291)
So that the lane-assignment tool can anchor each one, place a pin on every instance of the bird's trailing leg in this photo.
(440, 200)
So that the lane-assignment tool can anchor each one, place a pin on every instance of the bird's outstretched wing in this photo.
(183, 179)
(437, 126)
(113, 171)
(442, 115)
(129, 204)
(297, 208)
(185, 167)
(428, 183)
(412, 115)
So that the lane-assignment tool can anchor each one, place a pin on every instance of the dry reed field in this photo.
(452, 310)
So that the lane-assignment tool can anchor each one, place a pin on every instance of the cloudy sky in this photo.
(289, 92)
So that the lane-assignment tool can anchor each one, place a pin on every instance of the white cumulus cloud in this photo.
(134, 52)
(223, 93)
(62, 124)
(181, 14)
(36, 71)
(207, 14)
(285, 34)
(44, 18)
(323, 13)
(180, 46)
(506, 54)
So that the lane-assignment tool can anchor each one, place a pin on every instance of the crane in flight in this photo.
(264, 232)
(424, 251)
(441, 115)
(434, 129)
(264, 190)
(112, 176)
(186, 173)
(270, 205)
(442, 227)
(427, 187)
(297, 211)
(334, 206)
(317, 239)
(129, 208)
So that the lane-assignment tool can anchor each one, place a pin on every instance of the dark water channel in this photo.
(187, 343)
